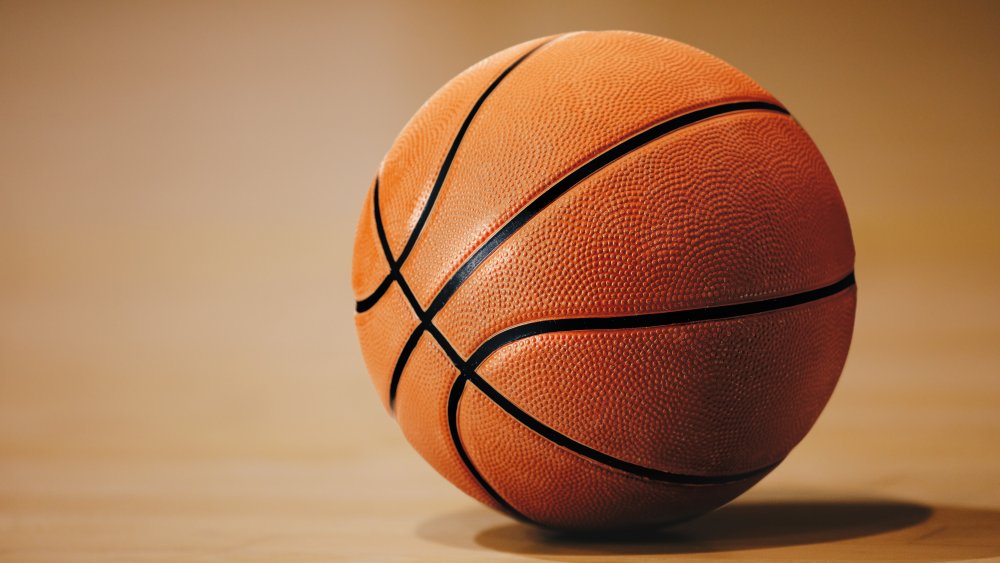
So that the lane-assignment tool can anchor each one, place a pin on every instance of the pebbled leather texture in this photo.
(562, 490)
(728, 210)
(411, 166)
(710, 398)
(384, 330)
(611, 427)
(573, 98)
(421, 413)
(369, 266)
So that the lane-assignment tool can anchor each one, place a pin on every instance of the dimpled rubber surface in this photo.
(424, 389)
(732, 209)
(411, 165)
(369, 266)
(606, 428)
(384, 330)
(711, 398)
(569, 100)
(560, 489)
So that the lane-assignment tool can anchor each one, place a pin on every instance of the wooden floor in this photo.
(179, 378)
(903, 464)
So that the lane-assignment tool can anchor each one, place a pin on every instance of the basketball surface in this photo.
(604, 280)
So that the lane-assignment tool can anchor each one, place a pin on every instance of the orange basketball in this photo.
(604, 280)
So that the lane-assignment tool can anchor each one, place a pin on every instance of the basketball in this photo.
(604, 280)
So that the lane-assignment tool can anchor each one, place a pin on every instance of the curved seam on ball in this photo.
(454, 398)
(652, 320)
(552, 193)
(395, 264)
(505, 232)
(578, 175)
(467, 372)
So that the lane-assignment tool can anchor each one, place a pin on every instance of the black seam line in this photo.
(395, 264)
(446, 165)
(411, 342)
(454, 397)
(554, 436)
(401, 360)
(542, 201)
(600, 457)
(505, 232)
(380, 229)
(393, 275)
(396, 276)
(369, 302)
(578, 175)
(654, 319)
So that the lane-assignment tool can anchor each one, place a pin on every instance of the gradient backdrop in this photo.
(179, 187)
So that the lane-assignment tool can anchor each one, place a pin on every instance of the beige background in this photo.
(179, 185)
